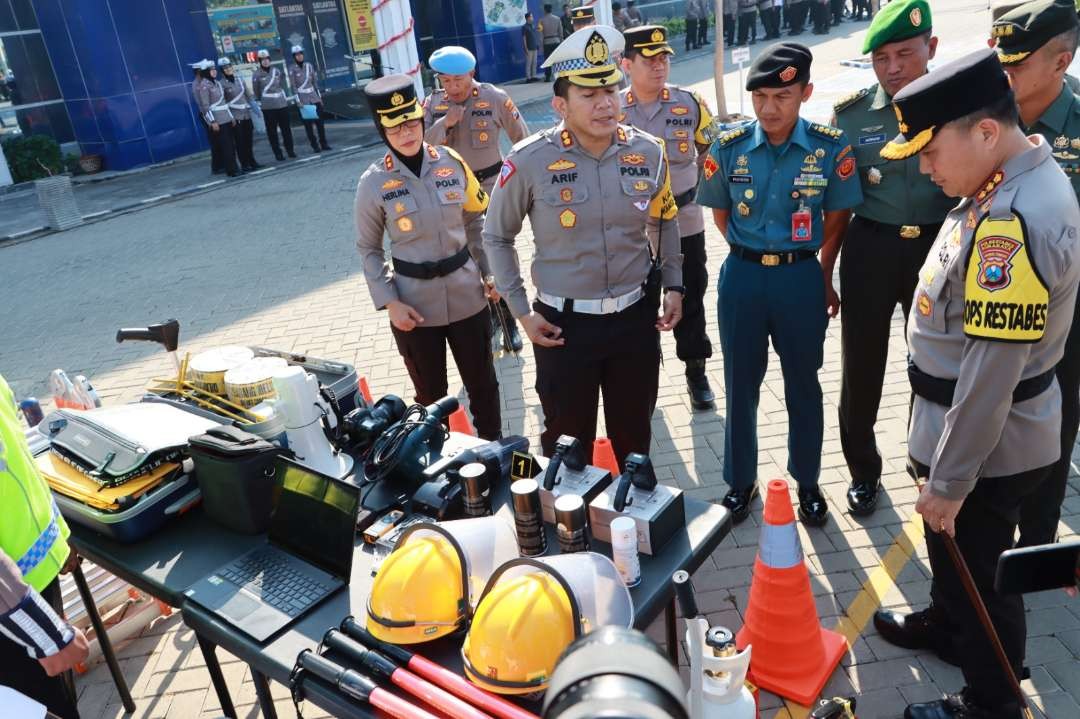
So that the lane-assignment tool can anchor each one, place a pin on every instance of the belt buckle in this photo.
(608, 305)
(770, 260)
(910, 232)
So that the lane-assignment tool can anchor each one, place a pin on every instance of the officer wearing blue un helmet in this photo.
(781, 189)
(468, 116)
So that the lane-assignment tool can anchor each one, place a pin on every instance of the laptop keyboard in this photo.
(266, 575)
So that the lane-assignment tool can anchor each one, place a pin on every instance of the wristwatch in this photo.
(676, 288)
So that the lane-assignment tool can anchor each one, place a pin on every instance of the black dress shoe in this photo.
(918, 630)
(960, 706)
(292, 154)
(813, 509)
(738, 502)
(697, 384)
(862, 496)
(327, 148)
(279, 156)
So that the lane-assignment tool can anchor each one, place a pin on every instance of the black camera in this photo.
(363, 425)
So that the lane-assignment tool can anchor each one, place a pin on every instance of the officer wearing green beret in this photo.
(887, 240)
(993, 306)
(1036, 42)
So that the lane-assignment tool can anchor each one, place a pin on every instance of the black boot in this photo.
(697, 384)
(738, 502)
(862, 496)
(813, 509)
(918, 630)
(279, 156)
(961, 706)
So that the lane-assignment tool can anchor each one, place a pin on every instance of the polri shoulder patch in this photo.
(1005, 297)
(849, 100)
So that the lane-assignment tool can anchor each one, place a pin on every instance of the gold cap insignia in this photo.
(596, 50)
(396, 99)
(657, 36)
(916, 17)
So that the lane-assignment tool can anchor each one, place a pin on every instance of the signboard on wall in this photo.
(503, 14)
(361, 24)
(248, 28)
(333, 37)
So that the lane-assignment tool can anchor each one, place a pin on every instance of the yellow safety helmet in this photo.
(520, 629)
(419, 593)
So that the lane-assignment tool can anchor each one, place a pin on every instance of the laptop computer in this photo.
(307, 558)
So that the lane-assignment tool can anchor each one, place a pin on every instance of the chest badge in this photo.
(561, 164)
(873, 176)
(483, 136)
(405, 224)
(444, 171)
(971, 220)
(566, 194)
(633, 158)
(393, 184)
(684, 147)
(680, 110)
(1061, 142)
(819, 153)
(748, 194)
(742, 161)
(744, 209)
(641, 185)
(567, 218)
(399, 207)
(641, 204)
(481, 104)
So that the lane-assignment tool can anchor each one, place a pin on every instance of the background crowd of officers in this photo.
(614, 195)
(226, 107)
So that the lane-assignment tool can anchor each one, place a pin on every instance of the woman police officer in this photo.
(428, 201)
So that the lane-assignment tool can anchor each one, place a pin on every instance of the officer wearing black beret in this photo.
(1036, 42)
(991, 311)
(781, 189)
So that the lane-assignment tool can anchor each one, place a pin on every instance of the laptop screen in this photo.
(314, 517)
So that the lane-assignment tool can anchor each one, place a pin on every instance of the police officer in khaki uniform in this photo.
(1036, 42)
(269, 88)
(680, 118)
(468, 116)
(888, 238)
(305, 83)
(992, 309)
(240, 100)
(217, 163)
(214, 107)
(428, 201)
(582, 17)
(551, 34)
(594, 191)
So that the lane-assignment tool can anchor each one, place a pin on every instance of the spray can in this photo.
(528, 518)
(31, 410)
(476, 495)
(624, 550)
(570, 524)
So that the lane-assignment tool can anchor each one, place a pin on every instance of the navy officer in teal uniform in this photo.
(781, 189)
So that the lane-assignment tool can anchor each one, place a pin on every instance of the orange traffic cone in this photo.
(365, 391)
(793, 655)
(459, 422)
(603, 456)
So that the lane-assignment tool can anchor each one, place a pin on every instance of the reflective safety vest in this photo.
(32, 532)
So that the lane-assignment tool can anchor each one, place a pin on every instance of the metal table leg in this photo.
(262, 690)
(103, 638)
(209, 652)
(671, 633)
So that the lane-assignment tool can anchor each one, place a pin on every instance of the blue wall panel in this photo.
(122, 66)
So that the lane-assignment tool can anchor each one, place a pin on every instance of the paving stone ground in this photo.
(271, 262)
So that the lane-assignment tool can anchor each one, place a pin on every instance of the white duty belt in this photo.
(305, 86)
(239, 102)
(221, 105)
(602, 306)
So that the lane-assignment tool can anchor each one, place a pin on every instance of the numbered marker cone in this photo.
(459, 422)
(365, 391)
(793, 654)
(603, 456)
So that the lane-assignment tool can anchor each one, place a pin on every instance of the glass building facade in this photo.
(114, 76)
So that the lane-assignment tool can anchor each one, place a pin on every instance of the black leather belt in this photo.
(431, 270)
(488, 172)
(685, 198)
(772, 259)
(940, 391)
(906, 232)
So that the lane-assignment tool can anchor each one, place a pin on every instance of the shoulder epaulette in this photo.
(846, 102)
(826, 131)
(730, 136)
(530, 140)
